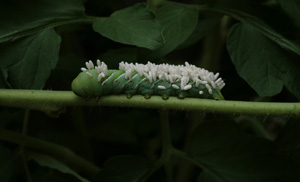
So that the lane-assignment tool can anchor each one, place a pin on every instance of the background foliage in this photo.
(253, 44)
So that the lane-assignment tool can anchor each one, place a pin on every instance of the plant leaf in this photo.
(134, 25)
(47, 161)
(6, 164)
(113, 56)
(204, 26)
(264, 66)
(262, 18)
(228, 155)
(27, 62)
(288, 139)
(21, 18)
(29, 45)
(178, 21)
(292, 8)
(123, 169)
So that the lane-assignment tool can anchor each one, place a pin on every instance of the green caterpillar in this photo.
(149, 79)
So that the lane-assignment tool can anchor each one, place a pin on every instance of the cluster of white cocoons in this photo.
(101, 69)
(187, 74)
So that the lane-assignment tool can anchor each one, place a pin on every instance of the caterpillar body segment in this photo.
(150, 79)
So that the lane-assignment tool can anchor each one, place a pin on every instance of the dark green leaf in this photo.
(204, 26)
(178, 21)
(204, 1)
(29, 46)
(6, 164)
(19, 18)
(114, 132)
(228, 155)
(292, 8)
(3, 79)
(262, 18)
(45, 174)
(134, 25)
(288, 140)
(9, 116)
(28, 61)
(265, 66)
(206, 177)
(47, 161)
(253, 125)
(114, 56)
(123, 169)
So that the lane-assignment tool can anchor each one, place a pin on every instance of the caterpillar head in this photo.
(84, 84)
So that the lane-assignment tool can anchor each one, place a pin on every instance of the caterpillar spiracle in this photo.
(148, 79)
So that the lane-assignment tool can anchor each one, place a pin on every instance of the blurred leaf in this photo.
(20, 18)
(69, 139)
(63, 74)
(204, 26)
(178, 21)
(11, 116)
(253, 125)
(226, 154)
(47, 161)
(114, 56)
(28, 44)
(206, 177)
(6, 164)
(114, 131)
(265, 66)
(123, 169)
(27, 62)
(134, 25)
(45, 174)
(288, 140)
(262, 18)
(292, 8)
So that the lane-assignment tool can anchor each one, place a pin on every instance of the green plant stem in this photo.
(25, 122)
(164, 159)
(53, 102)
(165, 131)
(213, 45)
(166, 143)
(80, 126)
(61, 153)
(23, 155)
(186, 168)
(26, 168)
